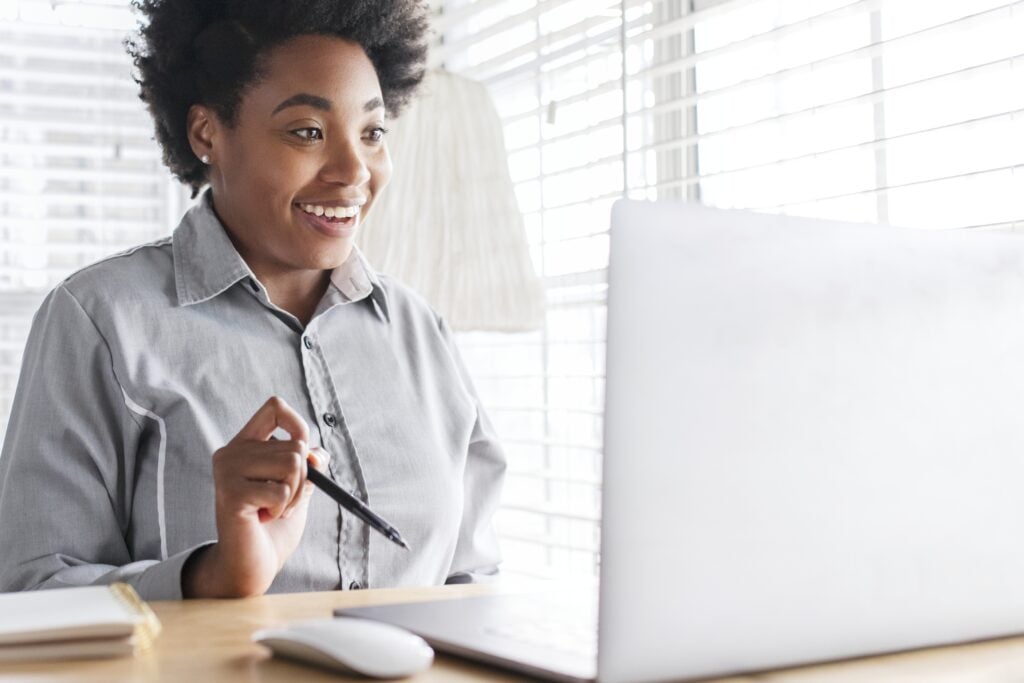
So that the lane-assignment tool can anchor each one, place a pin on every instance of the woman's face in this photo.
(307, 143)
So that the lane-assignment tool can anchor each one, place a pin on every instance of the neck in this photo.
(297, 292)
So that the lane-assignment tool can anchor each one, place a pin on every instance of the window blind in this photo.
(893, 111)
(80, 176)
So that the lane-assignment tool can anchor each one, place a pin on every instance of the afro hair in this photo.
(208, 51)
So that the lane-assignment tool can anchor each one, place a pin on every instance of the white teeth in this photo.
(330, 211)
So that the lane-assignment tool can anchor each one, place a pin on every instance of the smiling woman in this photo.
(302, 162)
(171, 441)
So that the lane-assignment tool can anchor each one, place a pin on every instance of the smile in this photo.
(331, 221)
(339, 212)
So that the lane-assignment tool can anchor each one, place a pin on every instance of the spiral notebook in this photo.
(75, 623)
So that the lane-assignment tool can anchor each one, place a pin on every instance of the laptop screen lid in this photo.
(813, 441)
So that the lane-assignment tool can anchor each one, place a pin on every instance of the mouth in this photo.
(331, 220)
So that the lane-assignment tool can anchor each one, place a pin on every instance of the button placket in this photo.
(319, 396)
(353, 538)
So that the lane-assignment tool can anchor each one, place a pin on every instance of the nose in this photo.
(345, 164)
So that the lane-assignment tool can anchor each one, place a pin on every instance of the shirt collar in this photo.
(206, 264)
(355, 279)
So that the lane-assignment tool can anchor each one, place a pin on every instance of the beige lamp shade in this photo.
(448, 225)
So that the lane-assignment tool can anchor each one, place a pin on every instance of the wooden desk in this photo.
(208, 640)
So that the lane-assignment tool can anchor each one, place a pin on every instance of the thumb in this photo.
(319, 458)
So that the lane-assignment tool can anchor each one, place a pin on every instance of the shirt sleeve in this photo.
(476, 554)
(67, 466)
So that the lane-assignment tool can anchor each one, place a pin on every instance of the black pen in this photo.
(354, 505)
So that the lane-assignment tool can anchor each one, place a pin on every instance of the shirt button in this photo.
(307, 342)
(355, 586)
(330, 420)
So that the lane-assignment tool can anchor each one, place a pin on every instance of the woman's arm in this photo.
(67, 466)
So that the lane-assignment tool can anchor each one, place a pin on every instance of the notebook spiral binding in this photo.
(147, 630)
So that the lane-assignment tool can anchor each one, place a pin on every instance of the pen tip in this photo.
(401, 542)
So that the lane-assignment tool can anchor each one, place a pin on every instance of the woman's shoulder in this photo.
(141, 273)
(405, 303)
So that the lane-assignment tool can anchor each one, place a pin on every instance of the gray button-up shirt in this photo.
(139, 367)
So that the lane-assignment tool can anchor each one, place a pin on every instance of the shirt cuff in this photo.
(162, 581)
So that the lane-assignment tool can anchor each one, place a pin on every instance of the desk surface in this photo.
(208, 640)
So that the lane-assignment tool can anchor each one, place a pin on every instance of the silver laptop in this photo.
(814, 449)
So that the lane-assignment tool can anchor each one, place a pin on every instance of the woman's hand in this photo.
(262, 501)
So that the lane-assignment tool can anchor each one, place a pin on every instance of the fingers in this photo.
(253, 459)
(273, 460)
(284, 462)
(301, 484)
(242, 470)
(269, 498)
(319, 458)
(271, 415)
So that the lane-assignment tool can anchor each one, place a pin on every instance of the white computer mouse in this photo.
(350, 645)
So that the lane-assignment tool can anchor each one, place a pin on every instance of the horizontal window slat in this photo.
(75, 151)
(84, 57)
(582, 445)
(81, 225)
(683, 142)
(53, 133)
(131, 177)
(527, 70)
(688, 101)
(551, 475)
(529, 17)
(689, 21)
(634, 35)
(873, 96)
(85, 199)
(582, 132)
(872, 145)
(86, 252)
(773, 207)
(27, 75)
(550, 541)
(72, 104)
(556, 512)
(561, 375)
(681, 65)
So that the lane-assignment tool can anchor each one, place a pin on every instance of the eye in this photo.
(308, 134)
(377, 134)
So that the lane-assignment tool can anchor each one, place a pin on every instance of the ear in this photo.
(202, 128)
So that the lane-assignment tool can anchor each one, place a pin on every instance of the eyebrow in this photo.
(301, 99)
(321, 103)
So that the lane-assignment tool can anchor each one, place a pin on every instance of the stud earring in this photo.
(205, 159)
